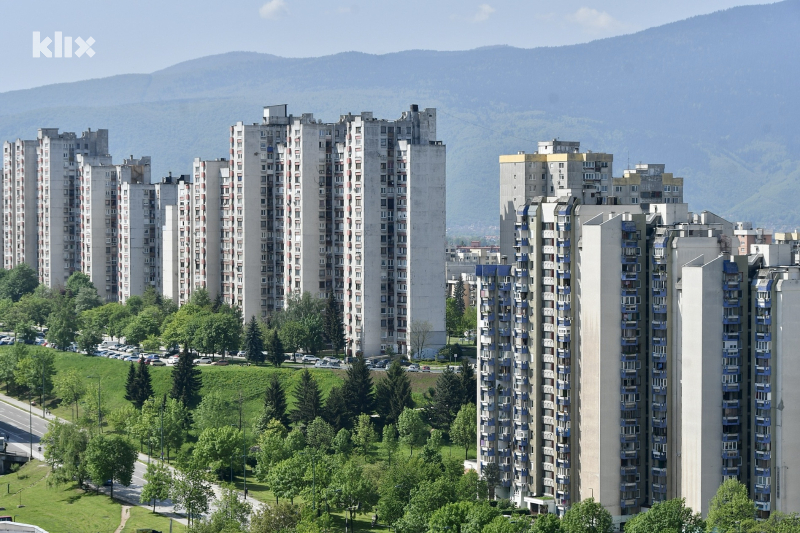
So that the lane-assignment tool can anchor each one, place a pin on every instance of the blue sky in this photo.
(148, 35)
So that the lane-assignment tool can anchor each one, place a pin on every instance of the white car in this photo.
(173, 360)
(413, 368)
(202, 361)
(321, 364)
(309, 359)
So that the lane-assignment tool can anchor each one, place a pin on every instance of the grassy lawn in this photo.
(251, 381)
(67, 508)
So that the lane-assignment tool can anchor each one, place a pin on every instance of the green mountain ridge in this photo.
(713, 97)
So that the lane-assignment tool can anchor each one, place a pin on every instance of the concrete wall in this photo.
(786, 438)
(426, 238)
(701, 376)
(598, 472)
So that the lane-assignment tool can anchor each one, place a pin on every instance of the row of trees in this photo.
(76, 314)
(459, 317)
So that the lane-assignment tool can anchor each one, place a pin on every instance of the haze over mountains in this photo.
(714, 97)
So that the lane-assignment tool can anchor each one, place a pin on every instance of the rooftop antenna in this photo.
(629, 161)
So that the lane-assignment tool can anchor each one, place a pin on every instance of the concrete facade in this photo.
(19, 216)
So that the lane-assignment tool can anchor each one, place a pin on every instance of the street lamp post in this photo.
(30, 420)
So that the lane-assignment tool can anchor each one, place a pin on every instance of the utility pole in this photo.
(244, 469)
(41, 361)
(162, 429)
(30, 421)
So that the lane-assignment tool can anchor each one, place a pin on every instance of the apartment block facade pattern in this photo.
(625, 352)
(354, 208)
(67, 207)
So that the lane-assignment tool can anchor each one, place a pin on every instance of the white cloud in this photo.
(274, 9)
(595, 21)
(484, 12)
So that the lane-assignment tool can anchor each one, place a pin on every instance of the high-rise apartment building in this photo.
(97, 177)
(19, 203)
(59, 200)
(355, 208)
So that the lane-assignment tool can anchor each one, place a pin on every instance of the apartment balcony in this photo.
(659, 308)
(563, 274)
(628, 259)
(731, 370)
(763, 438)
(763, 320)
(763, 472)
(763, 370)
(659, 488)
(762, 489)
(659, 422)
(764, 337)
(563, 306)
(563, 401)
(629, 276)
(730, 421)
(731, 320)
(762, 506)
(562, 463)
(659, 341)
(730, 404)
(659, 292)
(562, 480)
(731, 387)
(623, 438)
(730, 454)
(657, 472)
(563, 432)
(763, 404)
(763, 456)
(628, 454)
(660, 407)
(629, 341)
(563, 259)
(763, 303)
(627, 504)
(763, 421)
(562, 448)
(763, 387)
(659, 324)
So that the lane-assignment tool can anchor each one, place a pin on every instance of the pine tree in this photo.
(333, 325)
(144, 385)
(357, 388)
(254, 342)
(307, 398)
(445, 400)
(130, 385)
(393, 394)
(469, 385)
(336, 411)
(275, 401)
(275, 348)
(185, 380)
(458, 294)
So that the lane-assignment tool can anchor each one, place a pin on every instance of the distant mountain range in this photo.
(715, 97)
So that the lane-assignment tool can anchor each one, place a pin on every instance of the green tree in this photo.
(463, 430)
(274, 348)
(343, 442)
(89, 337)
(151, 344)
(587, 516)
(272, 449)
(227, 331)
(158, 483)
(390, 441)
(140, 327)
(176, 424)
(491, 475)
(62, 324)
(131, 384)
(320, 435)
(469, 384)
(216, 447)
(232, 513)
(393, 394)
(191, 491)
(77, 281)
(8, 363)
(69, 386)
(122, 418)
(337, 412)
(201, 299)
(19, 281)
(452, 317)
(671, 516)
(445, 401)
(144, 384)
(118, 318)
(87, 299)
(64, 450)
(357, 389)
(469, 320)
(110, 458)
(135, 304)
(458, 296)
(281, 517)
(411, 429)
(395, 488)
(450, 517)
(364, 435)
(308, 399)
(292, 335)
(548, 523)
(254, 342)
(36, 308)
(313, 331)
(214, 411)
(333, 324)
(502, 524)
(480, 515)
(275, 401)
(286, 479)
(185, 380)
(36, 371)
(730, 506)
(352, 490)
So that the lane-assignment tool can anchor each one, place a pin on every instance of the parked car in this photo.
(202, 361)
(241, 353)
(321, 364)
(221, 362)
(156, 362)
(308, 359)
(426, 368)
(413, 368)
(172, 360)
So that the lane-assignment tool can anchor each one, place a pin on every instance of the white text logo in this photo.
(62, 46)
